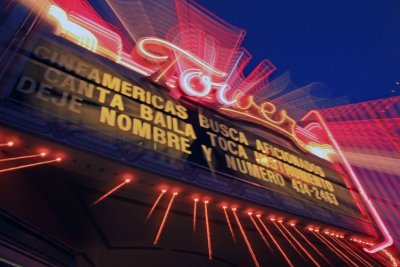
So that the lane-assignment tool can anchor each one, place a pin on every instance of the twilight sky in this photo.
(352, 46)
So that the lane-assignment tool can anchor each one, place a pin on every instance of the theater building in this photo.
(130, 136)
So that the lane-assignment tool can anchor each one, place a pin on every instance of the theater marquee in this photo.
(57, 81)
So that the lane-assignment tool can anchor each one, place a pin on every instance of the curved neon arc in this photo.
(141, 48)
(188, 75)
(221, 97)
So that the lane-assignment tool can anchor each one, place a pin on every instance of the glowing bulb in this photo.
(175, 193)
(163, 190)
(58, 159)
(127, 180)
(43, 154)
(10, 143)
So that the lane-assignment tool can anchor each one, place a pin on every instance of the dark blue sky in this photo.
(353, 46)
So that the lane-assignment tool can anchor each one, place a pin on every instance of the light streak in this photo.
(260, 232)
(253, 256)
(274, 240)
(163, 191)
(9, 144)
(334, 249)
(300, 245)
(228, 221)
(30, 165)
(311, 245)
(208, 230)
(127, 61)
(43, 154)
(288, 239)
(350, 251)
(126, 181)
(165, 218)
(388, 238)
(196, 200)
(353, 246)
(304, 133)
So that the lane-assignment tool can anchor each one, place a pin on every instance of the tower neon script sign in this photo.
(197, 82)
(153, 49)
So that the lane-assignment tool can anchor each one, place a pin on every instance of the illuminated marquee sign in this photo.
(199, 80)
(62, 84)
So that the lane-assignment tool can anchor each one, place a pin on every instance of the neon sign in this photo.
(158, 55)
(195, 83)
(185, 82)
(265, 114)
(200, 80)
